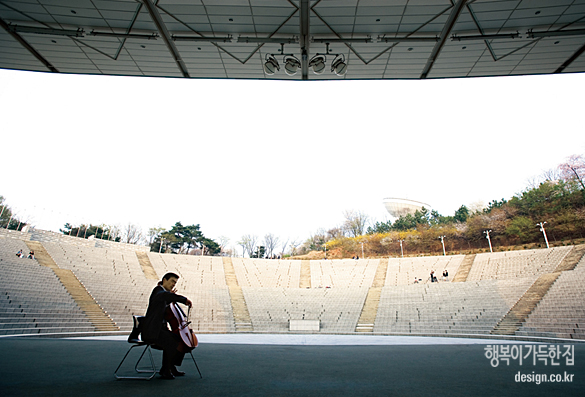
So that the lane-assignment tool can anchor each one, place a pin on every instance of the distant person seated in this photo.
(416, 280)
(31, 255)
(19, 254)
(445, 275)
(433, 277)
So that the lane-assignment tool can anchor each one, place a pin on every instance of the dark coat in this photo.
(154, 321)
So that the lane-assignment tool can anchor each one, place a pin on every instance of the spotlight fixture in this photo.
(317, 63)
(271, 65)
(291, 65)
(338, 66)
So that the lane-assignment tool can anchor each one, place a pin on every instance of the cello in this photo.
(179, 323)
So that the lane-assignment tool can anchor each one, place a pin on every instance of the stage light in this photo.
(271, 65)
(317, 63)
(338, 66)
(291, 65)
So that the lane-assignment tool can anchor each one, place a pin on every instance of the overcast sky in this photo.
(281, 157)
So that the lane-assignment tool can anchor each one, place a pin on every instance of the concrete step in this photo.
(513, 320)
(94, 313)
(571, 259)
(305, 280)
(380, 276)
(464, 269)
(239, 306)
(146, 266)
(370, 309)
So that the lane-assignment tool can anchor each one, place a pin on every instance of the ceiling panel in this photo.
(36, 33)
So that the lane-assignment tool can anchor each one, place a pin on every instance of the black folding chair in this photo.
(134, 339)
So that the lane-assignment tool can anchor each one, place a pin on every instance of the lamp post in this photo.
(325, 248)
(401, 251)
(487, 235)
(362, 243)
(541, 224)
(443, 242)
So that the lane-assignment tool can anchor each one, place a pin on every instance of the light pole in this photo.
(401, 251)
(362, 249)
(487, 235)
(325, 248)
(443, 242)
(541, 224)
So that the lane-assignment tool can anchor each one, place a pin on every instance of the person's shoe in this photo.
(176, 372)
(166, 374)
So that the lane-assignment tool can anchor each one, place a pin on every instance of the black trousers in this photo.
(169, 343)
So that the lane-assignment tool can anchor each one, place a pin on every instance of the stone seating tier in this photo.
(32, 295)
(561, 310)
(516, 264)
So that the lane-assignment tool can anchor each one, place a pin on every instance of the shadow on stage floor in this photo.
(45, 367)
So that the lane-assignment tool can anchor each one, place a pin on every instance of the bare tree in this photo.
(355, 222)
(270, 242)
(114, 232)
(248, 243)
(223, 242)
(574, 169)
(334, 233)
(293, 247)
(154, 232)
(553, 174)
(132, 234)
(283, 247)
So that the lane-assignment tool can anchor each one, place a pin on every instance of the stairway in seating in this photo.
(305, 279)
(146, 266)
(370, 309)
(240, 308)
(464, 269)
(94, 312)
(571, 259)
(513, 320)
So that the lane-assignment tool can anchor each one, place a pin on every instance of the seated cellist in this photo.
(155, 329)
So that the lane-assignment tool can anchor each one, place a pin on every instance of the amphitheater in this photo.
(76, 286)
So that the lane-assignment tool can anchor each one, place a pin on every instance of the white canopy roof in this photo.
(376, 39)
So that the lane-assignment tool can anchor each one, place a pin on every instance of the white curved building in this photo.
(398, 207)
